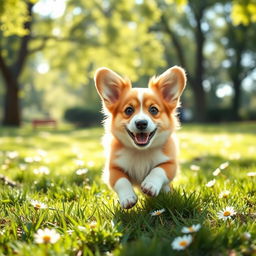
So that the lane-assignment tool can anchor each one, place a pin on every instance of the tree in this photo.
(11, 70)
(192, 20)
(239, 46)
(90, 39)
(193, 23)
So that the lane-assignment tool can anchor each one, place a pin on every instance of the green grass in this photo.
(78, 200)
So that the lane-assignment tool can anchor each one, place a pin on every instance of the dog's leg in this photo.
(159, 178)
(123, 187)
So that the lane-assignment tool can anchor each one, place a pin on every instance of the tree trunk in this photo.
(11, 105)
(236, 102)
(200, 102)
(11, 97)
(11, 74)
(195, 77)
(236, 77)
(200, 99)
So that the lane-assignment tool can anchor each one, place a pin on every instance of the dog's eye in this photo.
(153, 110)
(128, 111)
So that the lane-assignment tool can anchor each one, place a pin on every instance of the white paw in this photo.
(128, 202)
(150, 188)
(127, 197)
(166, 188)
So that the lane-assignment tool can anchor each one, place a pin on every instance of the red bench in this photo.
(43, 122)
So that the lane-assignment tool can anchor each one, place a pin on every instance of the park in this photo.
(53, 199)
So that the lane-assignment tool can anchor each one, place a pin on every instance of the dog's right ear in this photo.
(110, 86)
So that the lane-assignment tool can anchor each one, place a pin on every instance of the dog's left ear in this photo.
(170, 85)
(110, 86)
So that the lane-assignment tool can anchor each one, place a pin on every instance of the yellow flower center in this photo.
(47, 238)
(226, 213)
(191, 229)
(157, 213)
(93, 225)
(183, 243)
(37, 206)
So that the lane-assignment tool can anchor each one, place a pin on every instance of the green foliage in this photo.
(126, 36)
(93, 39)
(13, 15)
(243, 12)
(83, 117)
(87, 215)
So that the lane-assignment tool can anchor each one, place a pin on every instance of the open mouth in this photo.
(141, 138)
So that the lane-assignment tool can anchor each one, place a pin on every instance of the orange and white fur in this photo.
(140, 132)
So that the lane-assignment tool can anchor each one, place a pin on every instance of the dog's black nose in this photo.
(141, 124)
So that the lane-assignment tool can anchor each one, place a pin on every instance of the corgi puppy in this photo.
(140, 132)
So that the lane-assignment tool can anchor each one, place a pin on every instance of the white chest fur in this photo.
(137, 164)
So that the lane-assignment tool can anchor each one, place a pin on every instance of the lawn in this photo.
(62, 169)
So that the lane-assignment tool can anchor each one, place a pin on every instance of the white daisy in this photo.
(224, 165)
(181, 242)
(42, 170)
(22, 167)
(93, 224)
(38, 205)
(81, 171)
(216, 172)
(29, 159)
(191, 229)
(42, 152)
(210, 183)
(81, 228)
(12, 154)
(246, 236)
(226, 213)
(90, 163)
(157, 212)
(46, 236)
(79, 162)
(70, 231)
(37, 158)
(194, 167)
(224, 194)
(251, 174)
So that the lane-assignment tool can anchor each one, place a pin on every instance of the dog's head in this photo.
(141, 117)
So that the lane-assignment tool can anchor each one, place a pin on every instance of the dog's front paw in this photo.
(128, 202)
(149, 188)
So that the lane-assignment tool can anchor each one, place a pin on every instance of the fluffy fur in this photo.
(140, 142)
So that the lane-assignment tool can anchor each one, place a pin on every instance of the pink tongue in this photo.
(141, 138)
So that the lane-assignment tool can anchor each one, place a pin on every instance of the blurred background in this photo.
(50, 49)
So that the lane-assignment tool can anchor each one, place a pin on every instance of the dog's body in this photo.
(140, 141)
